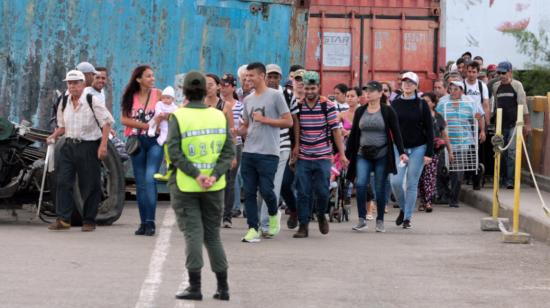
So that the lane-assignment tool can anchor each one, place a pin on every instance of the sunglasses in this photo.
(502, 73)
(386, 90)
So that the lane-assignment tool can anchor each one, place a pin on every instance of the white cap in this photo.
(453, 68)
(459, 84)
(74, 75)
(169, 91)
(411, 76)
(274, 68)
(86, 67)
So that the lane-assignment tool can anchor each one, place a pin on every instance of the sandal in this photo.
(429, 208)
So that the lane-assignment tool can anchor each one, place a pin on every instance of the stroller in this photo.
(337, 209)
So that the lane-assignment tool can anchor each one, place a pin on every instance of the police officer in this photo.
(201, 150)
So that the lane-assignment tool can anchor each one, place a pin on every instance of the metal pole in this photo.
(496, 174)
(517, 176)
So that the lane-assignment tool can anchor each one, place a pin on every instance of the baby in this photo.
(159, 123)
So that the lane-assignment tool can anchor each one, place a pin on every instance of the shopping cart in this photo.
(462, 127)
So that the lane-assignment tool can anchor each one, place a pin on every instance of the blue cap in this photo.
(504, 66)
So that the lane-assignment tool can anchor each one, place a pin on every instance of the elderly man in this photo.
(85, 123)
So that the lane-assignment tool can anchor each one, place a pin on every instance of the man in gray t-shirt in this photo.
(262, 138)
(264, 115)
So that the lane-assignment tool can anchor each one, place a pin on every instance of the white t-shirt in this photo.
(96, 93)
(475, 94)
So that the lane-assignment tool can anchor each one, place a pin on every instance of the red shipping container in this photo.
(367, 40)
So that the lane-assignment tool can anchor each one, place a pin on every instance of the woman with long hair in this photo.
(427, 188)
(138, 108)
(416, 125)
(374, 134)
(229, 96)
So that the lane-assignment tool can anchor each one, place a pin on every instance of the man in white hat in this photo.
(85, 123)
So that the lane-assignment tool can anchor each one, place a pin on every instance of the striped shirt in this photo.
(285, 139)
(237, 118)
(460, 117)
(315, 144)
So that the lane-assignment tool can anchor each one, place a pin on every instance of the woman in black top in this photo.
(415, 122)
(374, 131)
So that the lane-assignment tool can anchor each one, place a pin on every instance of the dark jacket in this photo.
(393, 134)
(415, 122)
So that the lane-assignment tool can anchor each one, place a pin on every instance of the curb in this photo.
(537, 228)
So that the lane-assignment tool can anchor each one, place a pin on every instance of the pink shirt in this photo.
(137, 110)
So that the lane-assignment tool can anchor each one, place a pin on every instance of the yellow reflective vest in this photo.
(203, 133)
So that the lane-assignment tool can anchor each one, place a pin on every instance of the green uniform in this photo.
(199, 142)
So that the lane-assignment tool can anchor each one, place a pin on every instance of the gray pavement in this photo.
(444, 261)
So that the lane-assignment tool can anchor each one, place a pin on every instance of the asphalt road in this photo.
(444, 261)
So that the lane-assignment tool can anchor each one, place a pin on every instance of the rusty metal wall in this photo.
(40, 40)
(372, 39)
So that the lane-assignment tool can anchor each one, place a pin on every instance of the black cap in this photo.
(228, 79)
(374, 85)
(194, 80)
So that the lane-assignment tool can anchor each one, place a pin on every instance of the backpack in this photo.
(324, 108)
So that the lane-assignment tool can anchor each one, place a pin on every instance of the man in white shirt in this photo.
(98, 84)
(85, 123)
(477, 89)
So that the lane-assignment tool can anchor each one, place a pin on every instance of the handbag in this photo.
(132, 144)
(371, 151)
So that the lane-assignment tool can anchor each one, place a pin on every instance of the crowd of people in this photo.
(281, 144)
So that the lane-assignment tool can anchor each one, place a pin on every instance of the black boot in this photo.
(193, 291)
(222, 293)
(140, 230)
(150, 228)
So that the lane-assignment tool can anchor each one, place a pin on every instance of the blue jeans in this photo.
(258, 171)
(146, 162)
(509, 156)
(364, 169)
(287, 189)
(312, 179)
(238, 184)
(408, 175)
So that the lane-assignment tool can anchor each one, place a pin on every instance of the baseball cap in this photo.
(273, 68)
(504, 66)
(374, 85)
(299, 73)
(410, 76)
(74, 75)
(228, 79)
(86, 67)
(194, 81)
(311, 78)
(491, 67)
(459, 84)
(169, 91)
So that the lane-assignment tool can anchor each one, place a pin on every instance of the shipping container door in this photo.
(334, 56)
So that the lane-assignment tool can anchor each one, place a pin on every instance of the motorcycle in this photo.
(22, 162)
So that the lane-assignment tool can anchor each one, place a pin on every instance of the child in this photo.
(159, 123)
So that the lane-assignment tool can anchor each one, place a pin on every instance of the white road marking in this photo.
(151, 284)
